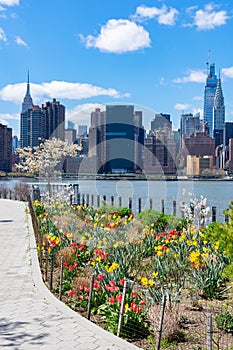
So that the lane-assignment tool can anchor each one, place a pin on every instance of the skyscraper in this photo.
(31, 127)
(5, 148)
(218, 115)
(119, 139)
(227, 133)
(54, 113)
(97, 146)
(27, 101)
(25, 118)
(160, 152)
(189, 125)
(36, 133)
(116, 138)
(40, 123)
(209, 94)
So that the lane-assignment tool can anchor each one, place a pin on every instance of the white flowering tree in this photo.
(44, 159)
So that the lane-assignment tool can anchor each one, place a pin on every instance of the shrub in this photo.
(222, 233)
(161, 221)
(109, 209)
(224, 321)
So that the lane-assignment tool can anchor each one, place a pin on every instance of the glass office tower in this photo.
(209, 94)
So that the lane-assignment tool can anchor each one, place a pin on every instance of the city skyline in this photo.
(150, 54)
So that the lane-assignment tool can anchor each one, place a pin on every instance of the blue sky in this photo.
(86, 53)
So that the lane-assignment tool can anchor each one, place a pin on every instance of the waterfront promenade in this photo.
(31, 317)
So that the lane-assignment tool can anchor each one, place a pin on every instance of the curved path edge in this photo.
(31, 317)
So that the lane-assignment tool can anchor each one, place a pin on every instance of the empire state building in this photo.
(27, 101)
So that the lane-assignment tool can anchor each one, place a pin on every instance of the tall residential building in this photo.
(5, 148)
(218, 115)
(209, 94)
(54, 113)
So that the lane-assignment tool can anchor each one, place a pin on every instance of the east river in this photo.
(157, 194)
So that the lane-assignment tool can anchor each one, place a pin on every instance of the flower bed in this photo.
(165, 256)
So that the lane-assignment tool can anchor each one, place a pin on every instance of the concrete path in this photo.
(30, 316)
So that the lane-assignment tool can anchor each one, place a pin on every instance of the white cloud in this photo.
(9, 2)
(119, 36)
(2, 35)
(228, 72)
(147, 12)
(194, 76)
(168, 18)
(181, 106)
(208, 18)
(198, 98)
(20, 41)
(165, 15)
(190, 9)
(58, 89)
(80, 114)
(4, 117)
(3, 121)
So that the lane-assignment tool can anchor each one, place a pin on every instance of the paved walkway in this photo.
(30, 316)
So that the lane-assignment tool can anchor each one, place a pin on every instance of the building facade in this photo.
(82, 130)
(119, 136)
(25, 122)
(189, 125)
(54, 114)
(209, 94)
(116, 138)
(227, 133)
(27, 101)
(200, 145)
(218, 115)
(5, 148)
(160, 152)
(97, 144)
(197, 166)
(161, 121)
